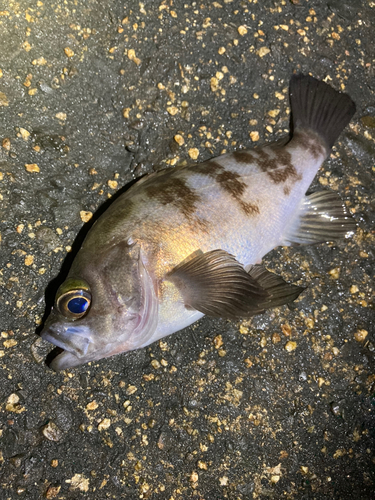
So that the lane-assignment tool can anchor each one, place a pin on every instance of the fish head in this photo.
(107, 305)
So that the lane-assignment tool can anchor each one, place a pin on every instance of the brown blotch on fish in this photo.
(243, 157)
(312, 144)
(287, 190)
(280, 168)
(177, 193)
(230, 182)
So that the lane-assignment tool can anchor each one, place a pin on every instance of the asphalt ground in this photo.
(95, 94)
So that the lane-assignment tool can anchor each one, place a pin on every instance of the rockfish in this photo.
(188, 241)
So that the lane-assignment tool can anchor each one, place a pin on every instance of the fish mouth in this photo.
(75, 343)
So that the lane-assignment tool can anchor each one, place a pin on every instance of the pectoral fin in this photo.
(322, 217)
(215, 284)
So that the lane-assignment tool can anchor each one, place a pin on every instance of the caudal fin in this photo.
(318, 107)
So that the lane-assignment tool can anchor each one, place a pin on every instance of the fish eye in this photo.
(73, 299)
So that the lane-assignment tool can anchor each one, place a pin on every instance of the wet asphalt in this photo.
(92, 96)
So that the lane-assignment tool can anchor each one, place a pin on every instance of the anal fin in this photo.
(279, 291)
(322, 217)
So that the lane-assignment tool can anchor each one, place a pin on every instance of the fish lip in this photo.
(65, 360)
(69, 340)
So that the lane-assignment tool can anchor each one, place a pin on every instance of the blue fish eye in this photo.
(78, 305)
(74, 304)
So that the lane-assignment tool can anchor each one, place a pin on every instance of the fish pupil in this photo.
(78, 305)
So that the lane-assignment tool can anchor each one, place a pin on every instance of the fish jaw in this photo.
(64, 361)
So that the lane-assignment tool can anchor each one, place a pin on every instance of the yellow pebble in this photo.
(32, 167)
(85, 215)
(68, 52)
(29, 259)
(193, 153)
(179, 139)
(290, 346)
(360, 335)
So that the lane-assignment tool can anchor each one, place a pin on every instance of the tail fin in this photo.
(318, 107)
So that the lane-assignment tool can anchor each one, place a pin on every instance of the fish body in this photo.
(188, 241)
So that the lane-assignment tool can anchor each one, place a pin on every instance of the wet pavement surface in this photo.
(95, 94)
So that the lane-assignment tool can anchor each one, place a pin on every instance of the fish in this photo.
(188, 241)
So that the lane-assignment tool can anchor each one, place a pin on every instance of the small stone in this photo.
(10, 343)
(39, 62)
(273, 113)
(290, 346)
(32, 167)
(52, 492)
(275, 338)
(6, 144)
(214, 83)
(61, 116)
(194, 477)
(131, 390)
(68, 52)
(112, 184)
(218, 341)
(104, 424)
(304, 470)
(179, 139)
(335, 273)
(155, 364)
(29, 259)
(131, 55)
(221, 50)
(244, 330)
(52, 432)
(3, 99)
(92, 406)
(79, 482)
(172, 110)
(242, 30)
(263, 51)
(360, 335)
(193, 153)
(202, 465)
(25, 134)
(321, 381)
(85, 215)
(254, 136)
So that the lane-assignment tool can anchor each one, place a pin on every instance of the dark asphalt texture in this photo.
(94, 94)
